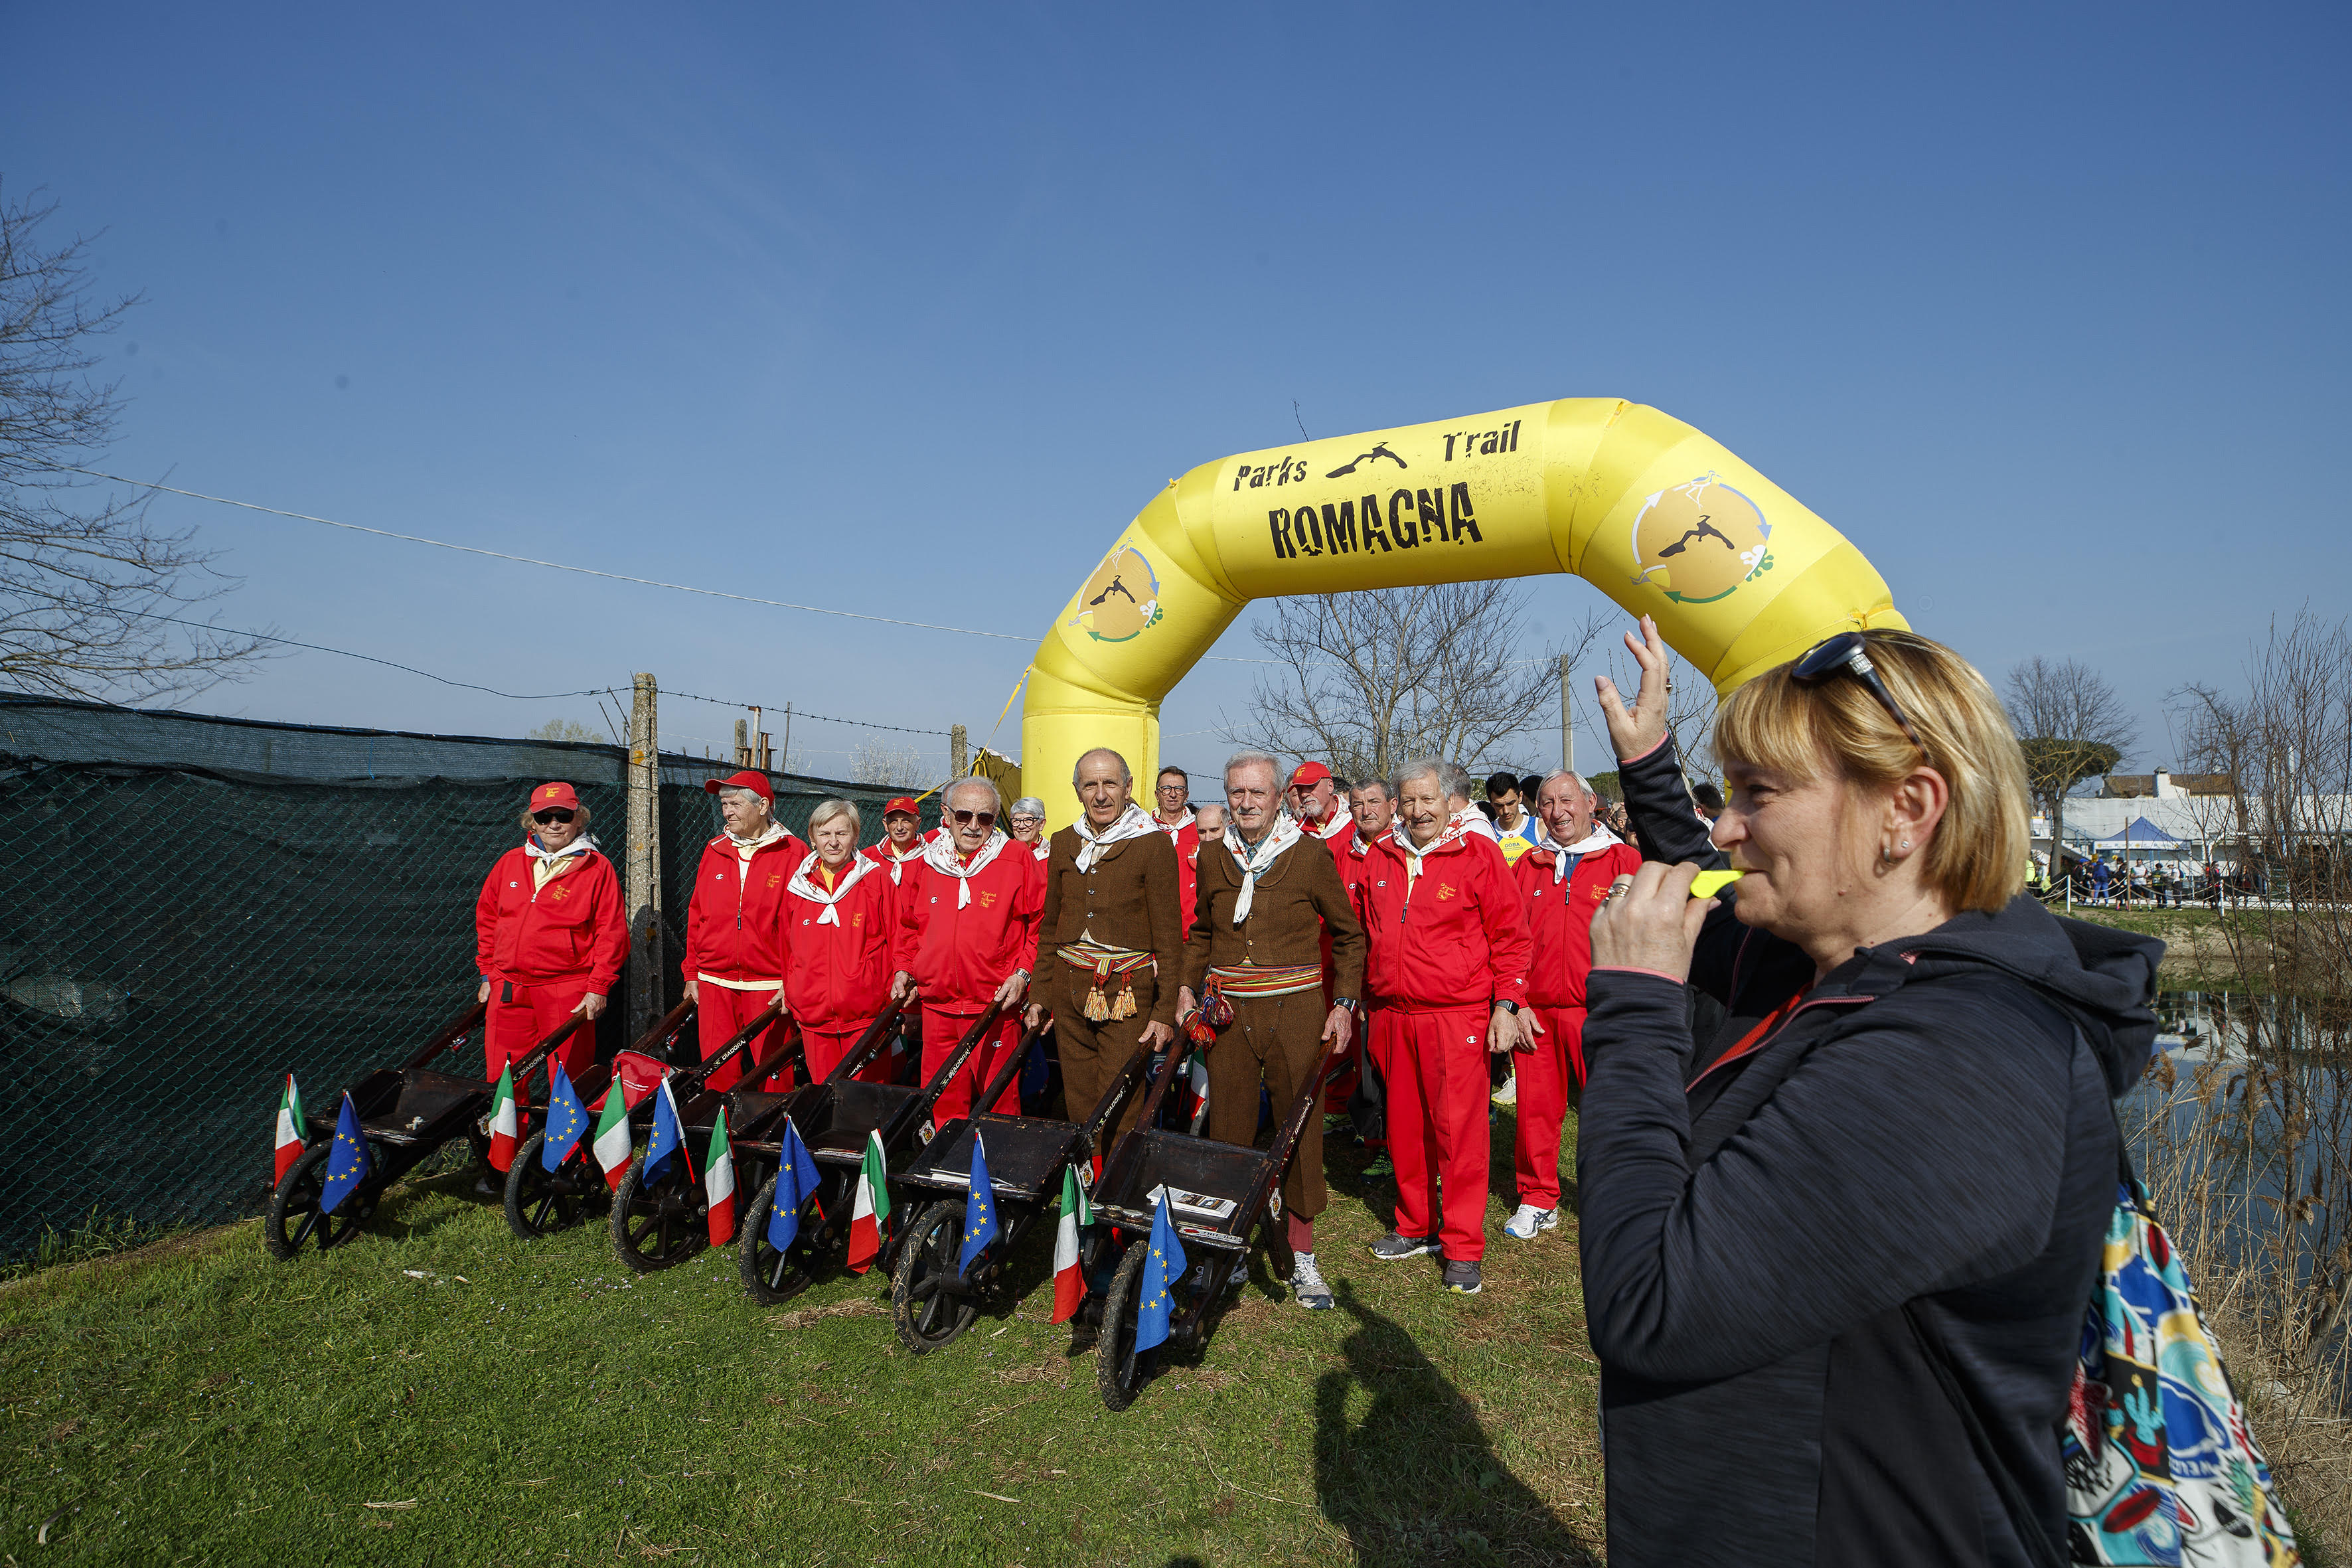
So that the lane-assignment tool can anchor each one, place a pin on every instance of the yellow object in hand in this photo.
(1706, 884)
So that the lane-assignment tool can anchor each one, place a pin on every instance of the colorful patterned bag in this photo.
(2161, 1466)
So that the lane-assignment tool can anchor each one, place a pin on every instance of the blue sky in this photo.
(908, 310)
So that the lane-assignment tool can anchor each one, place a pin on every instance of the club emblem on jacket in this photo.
(988, 899)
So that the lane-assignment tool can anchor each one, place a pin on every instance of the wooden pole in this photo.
(959, 753)
(788, 737)
(641, 888)
(1567, 721)
(742, 744)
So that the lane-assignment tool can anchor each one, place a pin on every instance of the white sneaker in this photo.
(1523, 1225)
(1307, 1283)
(1509, 1093)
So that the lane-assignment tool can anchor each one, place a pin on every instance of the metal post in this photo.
(959, 753)
(642, 872)
(788, 737)
(1567, 721)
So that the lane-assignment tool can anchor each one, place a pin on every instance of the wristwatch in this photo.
(1346, 1002)
(1506, 1002)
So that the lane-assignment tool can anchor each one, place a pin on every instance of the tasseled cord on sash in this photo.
(1097, 1007)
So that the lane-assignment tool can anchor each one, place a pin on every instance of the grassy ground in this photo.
(440, 1392)
(2197, 954)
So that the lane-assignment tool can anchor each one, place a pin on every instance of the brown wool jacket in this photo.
(1129, 899)
(1297, 897)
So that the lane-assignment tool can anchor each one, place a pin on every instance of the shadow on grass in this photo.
(1416, 1480)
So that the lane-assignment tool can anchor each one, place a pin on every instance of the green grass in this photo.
(499, 1402)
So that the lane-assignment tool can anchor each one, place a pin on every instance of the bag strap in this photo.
(2012, 1497)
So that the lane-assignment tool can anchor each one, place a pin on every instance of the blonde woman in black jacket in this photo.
(1896, 1160)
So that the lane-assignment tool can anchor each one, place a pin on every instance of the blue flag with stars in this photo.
(667, 1143)
(979, 1208)
(348, 1165)
(565, 1121)
(1162, 1266)
(796, 1182)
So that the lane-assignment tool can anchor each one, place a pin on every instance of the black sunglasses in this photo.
(1846, 653)
(552, 814)
(966, 818)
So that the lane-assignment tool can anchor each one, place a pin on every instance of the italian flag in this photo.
(869, 1217)
(503, 1131)
(718, 1184)
(1069, 1280)
(289, 1129)
(612, 1143)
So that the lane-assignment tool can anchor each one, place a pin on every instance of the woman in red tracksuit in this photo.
(735, 925)
(551, 933)
(1564, 880)
(1449, 953)
(840, 917)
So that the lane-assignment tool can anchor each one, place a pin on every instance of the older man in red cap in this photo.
(551, 933)
(735, 922)
(1320, 803)
(968, 913)
(902, 838)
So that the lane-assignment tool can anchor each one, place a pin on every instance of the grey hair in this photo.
(947, 795)
(1027, 806)
(1421, 768)
(1249, 759)
(826, 810)
(1564, 773)
(737, 791)
(1458, 783)
(1125, 772)
(1376, 782)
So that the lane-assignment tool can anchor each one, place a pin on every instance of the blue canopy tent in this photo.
(2142, 838)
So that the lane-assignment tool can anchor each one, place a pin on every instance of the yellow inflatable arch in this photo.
(1649, 511)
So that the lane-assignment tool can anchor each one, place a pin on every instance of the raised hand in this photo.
(1636, 731)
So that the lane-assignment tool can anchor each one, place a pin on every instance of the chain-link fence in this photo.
(191, 906)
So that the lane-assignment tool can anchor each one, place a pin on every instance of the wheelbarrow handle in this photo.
(699, 1074)
(1012, 1066)
(960, 1055)
(868, 1044)
(451, 1034)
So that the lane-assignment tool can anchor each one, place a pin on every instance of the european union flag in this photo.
(668, 1141)
(565, 1121)
(348, 1165)
(1162, 1266)
(796, 1182)
(979, 1208)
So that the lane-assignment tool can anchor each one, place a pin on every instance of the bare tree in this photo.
(93, 597)
(562, 730)
(2071, 727)
(1371, 680)
(891, 764)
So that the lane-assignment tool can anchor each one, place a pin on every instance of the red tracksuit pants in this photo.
(942, 1031)
(1437, 1090)
(522, 1016)
(1551, 1078)
(721, 1013)
(827, 1043)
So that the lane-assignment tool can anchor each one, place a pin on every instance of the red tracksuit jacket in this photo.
(838, 976)
(1187, 840)
(735, 922)
(575, 926)
(960, 956)
(1458, 939)
(1560, 915)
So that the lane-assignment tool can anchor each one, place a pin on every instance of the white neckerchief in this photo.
(1592, 843)
(553, 863)
(805, 886)
(746, 848)
(1132, 823)
(1250, 862)
(941, 855)
(538, 851)
(1455, 831)
(897, 860)
(1173, 828)
(1333, 825)
(1363, 845)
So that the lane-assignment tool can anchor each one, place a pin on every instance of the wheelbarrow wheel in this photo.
(1121, 1369)
(658, 1227)
(929, 1316)
(771, 1275)
(295, 1219)
(539, 1200)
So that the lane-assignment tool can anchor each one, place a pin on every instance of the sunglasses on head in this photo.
(1847, 654)
(968, 818)
(552, 814)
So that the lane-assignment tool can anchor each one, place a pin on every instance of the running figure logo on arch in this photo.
(1120, 599)
(1698, 541)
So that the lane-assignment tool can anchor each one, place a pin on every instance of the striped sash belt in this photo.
(1106, 961)
(1249, 980)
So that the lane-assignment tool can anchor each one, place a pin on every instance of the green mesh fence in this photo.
(191, 908)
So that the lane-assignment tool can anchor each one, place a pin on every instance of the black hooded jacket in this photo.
(1932, 1124)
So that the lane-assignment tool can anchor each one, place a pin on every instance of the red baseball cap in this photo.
(905, 804)
(757, 782)
(557, 793)
(1308, 774)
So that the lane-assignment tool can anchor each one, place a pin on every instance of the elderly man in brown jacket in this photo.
(1112, 940)
(1265, 898)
